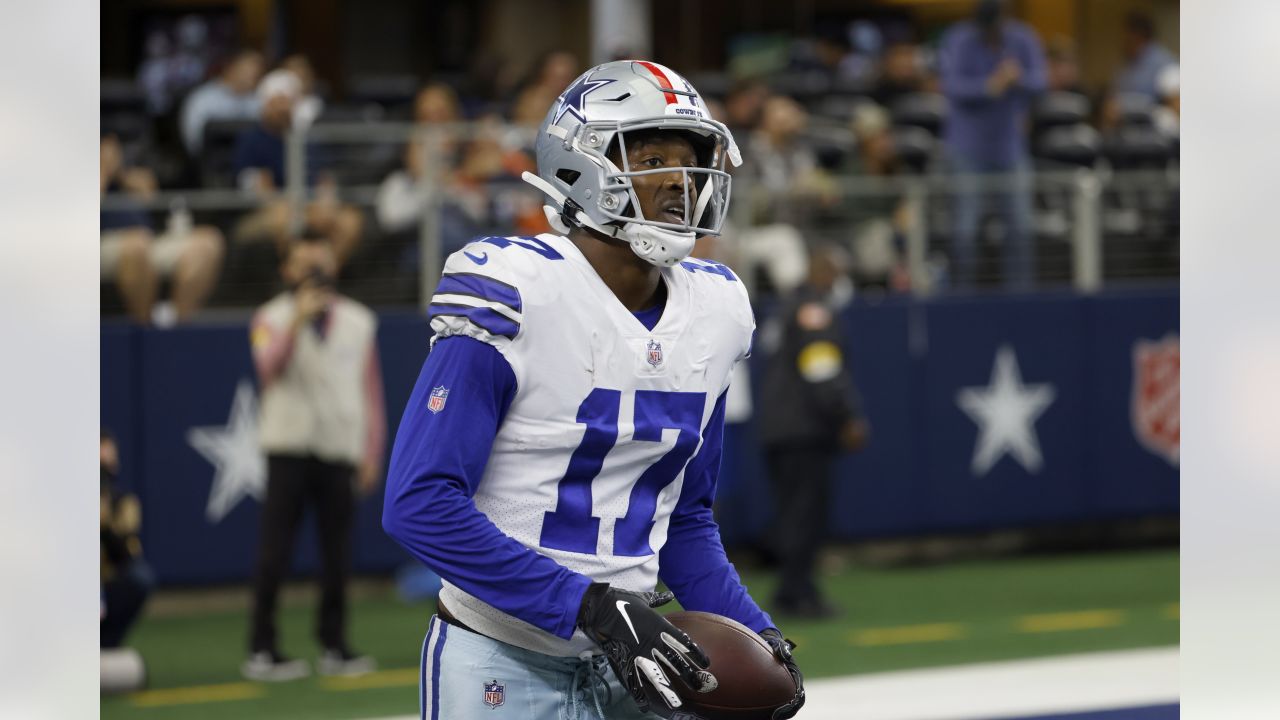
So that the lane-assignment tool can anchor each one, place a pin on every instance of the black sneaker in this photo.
(271, 666)
(341, 661)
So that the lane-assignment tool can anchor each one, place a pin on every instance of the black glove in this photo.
(643, 648)
(782, 648)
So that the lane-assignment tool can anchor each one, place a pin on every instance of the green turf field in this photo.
(893, 619)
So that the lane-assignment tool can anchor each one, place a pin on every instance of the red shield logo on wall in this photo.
(1156, 396)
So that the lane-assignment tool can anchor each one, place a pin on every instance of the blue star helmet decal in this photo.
(574, 99)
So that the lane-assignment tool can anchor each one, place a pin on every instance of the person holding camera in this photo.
(126, 578)
(323, 429)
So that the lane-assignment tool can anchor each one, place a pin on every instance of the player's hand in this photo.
(782, 648)
(643, 648)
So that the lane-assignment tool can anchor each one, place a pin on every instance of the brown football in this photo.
(753, 683)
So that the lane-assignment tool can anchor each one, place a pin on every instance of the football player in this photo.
(559, 453)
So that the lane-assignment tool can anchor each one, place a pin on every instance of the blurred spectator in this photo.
(901, 73)
(1063, 65)
(866, 43)
(783, 163)
(831, 50)
(744, 106)
(878, 236)
(437, 103)
(1166, 115)
(404, 195)
(992, 68)
(170, 67)
(874, 153)
(1144, 58)
(260, 153)
(125, 577)
(556, 70)
(136, 259)
(309, 104)
(466, 173)
(154, 76)
(493, 156)
(229, 96)
(466, 167)
(715, 108)
(323, 428)
(814, 414)
(260, 169)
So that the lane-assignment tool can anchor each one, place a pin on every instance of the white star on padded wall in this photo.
(1005, 412)
(233, 450)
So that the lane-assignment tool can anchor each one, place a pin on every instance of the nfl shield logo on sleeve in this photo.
(439, 395)
(494, 694)
(655, 353)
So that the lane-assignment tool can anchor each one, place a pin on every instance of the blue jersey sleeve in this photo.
(439, 456)
(693, 563)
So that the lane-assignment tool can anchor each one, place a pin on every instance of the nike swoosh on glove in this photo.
(644, 649)
(782, 648)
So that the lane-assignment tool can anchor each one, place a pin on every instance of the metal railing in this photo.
(1088, 226)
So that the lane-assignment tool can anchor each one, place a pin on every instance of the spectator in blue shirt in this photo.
(259, 154)
(1144, 58)
(992, 69)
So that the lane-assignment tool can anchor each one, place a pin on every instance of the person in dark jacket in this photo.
(811, 413)
(125, 578)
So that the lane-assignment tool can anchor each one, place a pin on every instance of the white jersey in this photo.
(589, 461)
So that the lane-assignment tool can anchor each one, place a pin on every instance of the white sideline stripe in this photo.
(984, 691)
(987, 691)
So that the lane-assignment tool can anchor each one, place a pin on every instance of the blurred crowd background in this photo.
(228, 128)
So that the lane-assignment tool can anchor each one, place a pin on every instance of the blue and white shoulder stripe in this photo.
(477, 296)
(475, 304)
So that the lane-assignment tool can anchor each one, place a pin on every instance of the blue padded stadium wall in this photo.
(911, 359)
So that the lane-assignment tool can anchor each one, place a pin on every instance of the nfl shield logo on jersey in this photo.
(439, 395)
(494, 694)
(1157, 419)
(655, 353)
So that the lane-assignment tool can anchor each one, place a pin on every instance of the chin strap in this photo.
(656, 246)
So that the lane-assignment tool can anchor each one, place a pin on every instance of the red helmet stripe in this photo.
(662, 80)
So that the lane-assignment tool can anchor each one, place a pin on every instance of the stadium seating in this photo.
(1134, 109)
(1055, 109)
(922, 110)
(1137, 147)
(389, 91)
(217, 154)
(1077, 144)
(915, 147)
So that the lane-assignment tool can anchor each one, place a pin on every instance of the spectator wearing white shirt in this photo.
(1144, 58)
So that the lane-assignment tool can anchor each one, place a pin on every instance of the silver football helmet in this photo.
(585, 187)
